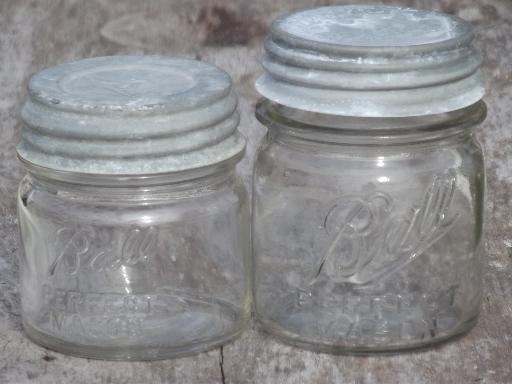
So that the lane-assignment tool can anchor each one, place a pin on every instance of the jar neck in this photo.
(289, 124)
(199, 180)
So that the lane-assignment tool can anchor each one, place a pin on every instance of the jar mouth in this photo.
(273, 114)
(130, 180)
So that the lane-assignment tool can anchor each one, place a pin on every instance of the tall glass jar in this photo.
(368, 188)
(134, 225)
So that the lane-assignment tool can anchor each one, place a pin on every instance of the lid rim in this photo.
(463, 38)
(237, 149)
(382, 104)
(286, 73)
(319, 60)
(97, 125)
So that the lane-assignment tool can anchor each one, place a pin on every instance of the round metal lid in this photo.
(371, 60)
(130, 115)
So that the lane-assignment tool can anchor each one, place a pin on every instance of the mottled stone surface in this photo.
(36, 34)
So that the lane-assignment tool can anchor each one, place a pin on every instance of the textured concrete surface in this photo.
(36, 34)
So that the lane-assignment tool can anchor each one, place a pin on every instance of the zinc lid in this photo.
(130, 115)
(371, 60)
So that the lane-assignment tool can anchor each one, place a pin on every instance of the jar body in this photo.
(134, 272)
(365, 239)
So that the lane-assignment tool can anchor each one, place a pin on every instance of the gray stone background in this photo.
(38, 34)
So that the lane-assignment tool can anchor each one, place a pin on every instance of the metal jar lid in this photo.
(371, 60)
(130, 115)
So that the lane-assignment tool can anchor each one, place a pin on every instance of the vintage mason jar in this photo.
(134, 226)
(368, 188)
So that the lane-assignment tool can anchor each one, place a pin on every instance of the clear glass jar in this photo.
(367, 232)
(134, 225)
(121, 271)
(368, 189)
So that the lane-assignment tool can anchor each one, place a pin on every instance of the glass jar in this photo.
(134, 225)
(368, 202)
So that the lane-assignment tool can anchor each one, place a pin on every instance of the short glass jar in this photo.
(367, 222)
(148, 262)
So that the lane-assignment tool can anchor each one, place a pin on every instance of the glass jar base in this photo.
(195, 325)
(134, 353)
(295, 340)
